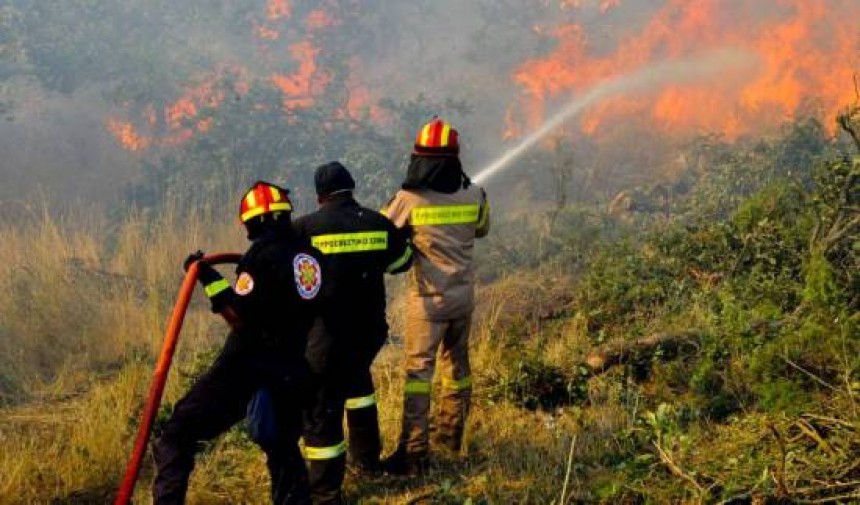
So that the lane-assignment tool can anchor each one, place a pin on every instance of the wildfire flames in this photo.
(127, 135)
(278, 9)
(182, 118)
(300, 87)
(807, 52)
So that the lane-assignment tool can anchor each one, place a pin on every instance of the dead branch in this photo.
(827, 487)
(677, 471)
(669, 344)
(816, 437)
(847, 117)
(830, 420)
(809, 374)
(779, 474)
(844, 120)
(845, 498)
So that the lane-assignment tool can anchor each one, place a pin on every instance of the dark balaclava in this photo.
(333, 179)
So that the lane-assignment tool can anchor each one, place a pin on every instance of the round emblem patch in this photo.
(308, 275)
(244, 284)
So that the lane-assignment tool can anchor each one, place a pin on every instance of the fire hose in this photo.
(162, 367)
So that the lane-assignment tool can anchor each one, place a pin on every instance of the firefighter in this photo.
(446, 212)
(270, 310)
(359, 246)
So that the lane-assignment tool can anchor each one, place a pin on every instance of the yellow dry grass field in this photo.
(84, 310)
(83, 320)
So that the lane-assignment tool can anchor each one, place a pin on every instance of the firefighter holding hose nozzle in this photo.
(446, 213)
(270, 310)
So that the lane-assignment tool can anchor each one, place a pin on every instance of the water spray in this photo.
(652, 76)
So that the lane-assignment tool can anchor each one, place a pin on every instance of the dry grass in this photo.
(85, 318)
(86, 300)
(83, 295)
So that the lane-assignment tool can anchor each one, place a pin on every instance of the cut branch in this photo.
(668, 344)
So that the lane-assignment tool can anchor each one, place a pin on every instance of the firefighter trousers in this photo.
(218, 400)
(424, 340)
(347, 384)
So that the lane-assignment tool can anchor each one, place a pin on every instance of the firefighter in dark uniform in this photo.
(270, 310)
(359, 246)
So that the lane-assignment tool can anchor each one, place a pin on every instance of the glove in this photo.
(191, 259)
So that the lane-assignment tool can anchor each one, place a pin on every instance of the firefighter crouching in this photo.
(359, 246)
(446, 212)
(270, 310)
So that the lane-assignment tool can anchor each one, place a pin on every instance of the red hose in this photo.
(159, 379)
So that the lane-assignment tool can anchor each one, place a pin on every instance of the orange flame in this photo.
(808, 52)
(126, 134)
(307, 82)
(301, 87)
(182, 117)
(278, 9)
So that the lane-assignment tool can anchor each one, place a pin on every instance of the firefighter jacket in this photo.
(444, 227)
(359, 246)
(276, 296)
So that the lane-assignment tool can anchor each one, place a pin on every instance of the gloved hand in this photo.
(192, 258)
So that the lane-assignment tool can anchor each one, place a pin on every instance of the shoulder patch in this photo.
(244, 284)
(308, 275)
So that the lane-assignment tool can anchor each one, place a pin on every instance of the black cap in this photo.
(332, 178)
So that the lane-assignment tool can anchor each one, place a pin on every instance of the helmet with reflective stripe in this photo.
(264, 198)
(437, 138)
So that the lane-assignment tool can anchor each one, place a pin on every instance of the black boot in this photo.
(402, 462)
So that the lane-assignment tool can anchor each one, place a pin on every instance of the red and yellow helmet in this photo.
(437, 138)
(264, 198)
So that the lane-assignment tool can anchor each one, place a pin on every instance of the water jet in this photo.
(652, 76)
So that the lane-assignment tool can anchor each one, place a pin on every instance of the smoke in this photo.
(57, 148)
(145, 71)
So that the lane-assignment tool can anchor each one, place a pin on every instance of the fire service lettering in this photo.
(444, 214)
(337, 243)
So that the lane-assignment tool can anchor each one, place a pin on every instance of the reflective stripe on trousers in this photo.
(329, 452)
(423, 339)
(361, 402)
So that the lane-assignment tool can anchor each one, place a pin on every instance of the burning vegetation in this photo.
(805, 56)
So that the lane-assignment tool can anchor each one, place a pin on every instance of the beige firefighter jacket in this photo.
(444, 227)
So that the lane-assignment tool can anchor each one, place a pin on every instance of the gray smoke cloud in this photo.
(149, 51)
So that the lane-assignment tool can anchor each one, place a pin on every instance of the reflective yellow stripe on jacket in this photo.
(216, 287)
(444, 214)
(399, 262)
(337, 243)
